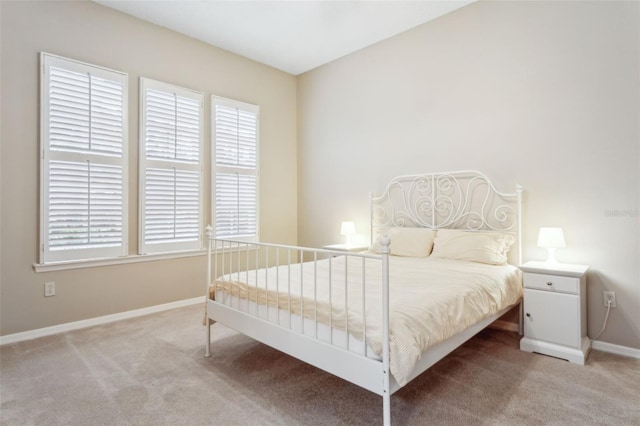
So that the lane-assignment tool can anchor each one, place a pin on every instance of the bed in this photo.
(439, 270)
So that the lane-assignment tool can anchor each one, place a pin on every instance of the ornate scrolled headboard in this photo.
(453, 200)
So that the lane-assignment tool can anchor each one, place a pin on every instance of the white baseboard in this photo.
(76, 325)
(615, 349)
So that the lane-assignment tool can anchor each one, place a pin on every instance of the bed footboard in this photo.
(308, 303)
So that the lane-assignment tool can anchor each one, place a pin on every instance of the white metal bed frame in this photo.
(456, 200)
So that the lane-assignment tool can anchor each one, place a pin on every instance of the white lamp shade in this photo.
(551, 238)
(348, 228)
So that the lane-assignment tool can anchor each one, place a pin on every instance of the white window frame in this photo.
(144, 163)
(47, 255)
(255, 109)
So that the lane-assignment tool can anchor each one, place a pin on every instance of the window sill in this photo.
(92, 263)
(136, 258)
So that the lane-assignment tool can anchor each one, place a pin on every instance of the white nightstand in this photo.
(555, 310)
(349, 248)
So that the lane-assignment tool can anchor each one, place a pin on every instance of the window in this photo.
(83, 168)
(170, 168)
(235, 133)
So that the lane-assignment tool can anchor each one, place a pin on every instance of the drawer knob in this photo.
(528, 314)
(549, 283)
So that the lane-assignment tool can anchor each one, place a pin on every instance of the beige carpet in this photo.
(151, 371)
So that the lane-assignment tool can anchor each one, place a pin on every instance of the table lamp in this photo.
(551, 239)
(348, 229)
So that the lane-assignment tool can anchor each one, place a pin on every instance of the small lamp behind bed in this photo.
(551, 239)
(348, 229)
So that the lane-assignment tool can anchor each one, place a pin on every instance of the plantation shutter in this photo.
(235, 137)
(84, 161)
(171, 170)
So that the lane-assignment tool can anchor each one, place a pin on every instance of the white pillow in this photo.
(409, 242)
(482, 247)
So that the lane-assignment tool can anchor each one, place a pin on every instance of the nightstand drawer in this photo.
(552, 282)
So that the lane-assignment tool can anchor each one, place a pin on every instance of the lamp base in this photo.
(551, 258)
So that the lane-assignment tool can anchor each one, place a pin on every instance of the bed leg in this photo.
(207, 347)
(386, 389)
(386, 409)
(209, 234)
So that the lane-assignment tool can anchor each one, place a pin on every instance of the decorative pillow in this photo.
(409, 242)
(481, 247)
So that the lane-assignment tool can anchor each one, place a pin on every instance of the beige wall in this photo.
(545, 94)
(542, 94)
(92, 33)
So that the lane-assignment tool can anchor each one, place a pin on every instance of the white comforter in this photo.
(430, 300)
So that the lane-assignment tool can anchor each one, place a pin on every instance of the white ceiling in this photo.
(293, 36)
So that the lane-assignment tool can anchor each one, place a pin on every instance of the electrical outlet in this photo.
(610, 296)
(49, 289)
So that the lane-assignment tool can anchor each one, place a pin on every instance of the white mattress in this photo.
(430, 301)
